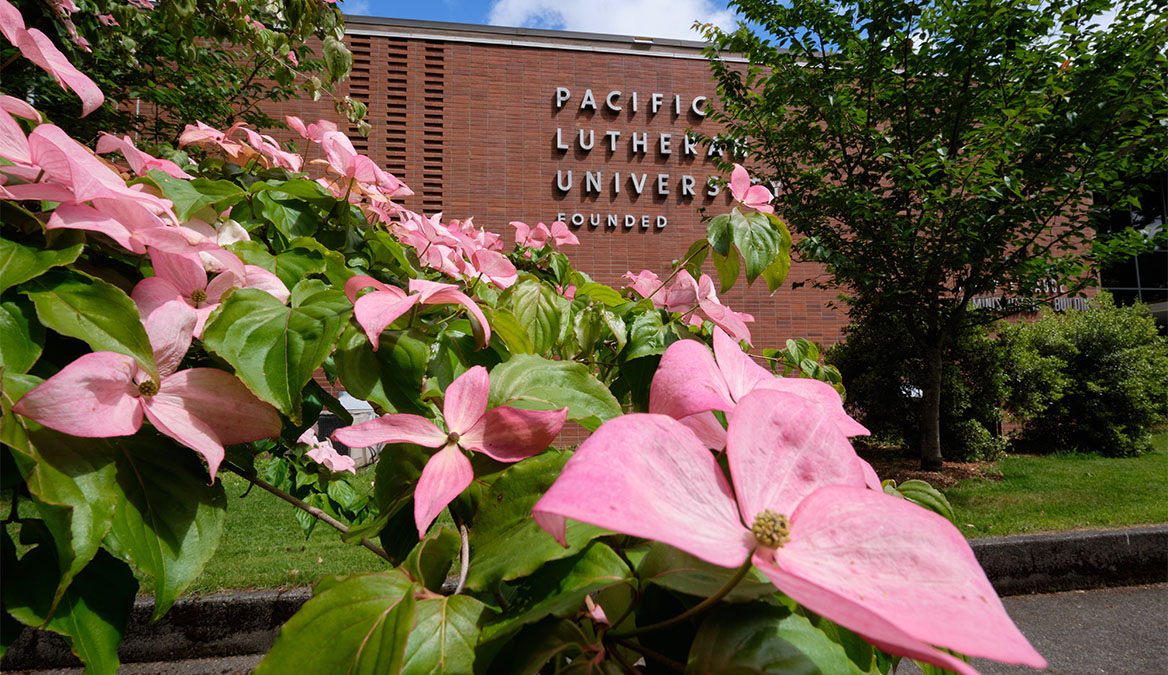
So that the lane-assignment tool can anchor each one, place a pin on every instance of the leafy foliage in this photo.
(930, 154)
(1093, 380)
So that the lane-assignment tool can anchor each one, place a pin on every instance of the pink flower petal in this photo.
(324, 453)
(357, 283)
(374, 311)
(782, 448)
(438, 294)
(38, 48)
(399, 428)
(19, 108)
(85, 217)
(13, 142)
(154, 292)
(510, 434)
(741, 373)
(93, 397)
(170, 327)
(223, 403)
(739, 182)
(871, 478)
(649, 476)
(688, 382)
(258, 277)
(562, 235)
(872, 562)
(170, 416)
(707, 428)
(185, 272)
(466, 400)
(823, 395)
(446, 475)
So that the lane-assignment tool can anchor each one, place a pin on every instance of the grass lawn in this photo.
(1065, 492)
(264, 547)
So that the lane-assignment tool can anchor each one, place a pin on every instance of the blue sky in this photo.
(649, 18)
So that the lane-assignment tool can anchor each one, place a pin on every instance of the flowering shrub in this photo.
(162, 323)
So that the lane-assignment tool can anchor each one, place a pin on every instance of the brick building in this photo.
(504, 124)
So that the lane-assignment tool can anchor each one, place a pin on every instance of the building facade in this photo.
(506, 124)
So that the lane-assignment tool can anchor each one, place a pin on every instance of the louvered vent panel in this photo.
(433, 130)
(397, 61)
(358, 86)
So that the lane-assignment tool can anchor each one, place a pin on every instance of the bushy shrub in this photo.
(1094, 380)
(881, 375)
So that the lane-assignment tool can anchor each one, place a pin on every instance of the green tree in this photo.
(933, 152)
(165, 65)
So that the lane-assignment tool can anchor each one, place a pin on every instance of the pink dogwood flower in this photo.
(105, 394)
(322, 452)
(183, 278)
(687, 294)
(505, 434)
(756, 197)
(540, 235)
(38, 48)
(900, 576)
(140, 162)
(374, 311)
(690, 382)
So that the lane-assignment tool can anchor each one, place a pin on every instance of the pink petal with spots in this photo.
(392, 429)
(466, 400)
(782, 448)
(881, 566)
(510, 434)
(93, 397)
(443, 478)
(649, 476)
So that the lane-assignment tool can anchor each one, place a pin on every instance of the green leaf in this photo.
(358, 625)
(695, 257)
(300, 188)
(337, 58)
(510, 330)
(922, 494)
(292, 217)
(444, 637)
(600, 293)
(275, 348)
(169, 520)
(392, 376)
(91, 614)
(19, 263)
(399, 466)
(727, 267)
(765, 639)
(718, 234)
(776, 272)
(537, 307)
(74, 482)
(505, 541)
(558, 588)
(191, 196)
(89, 309)
(534, 383)
(757, 239)
(21, 336)
(430, 560)
(679, 571)
(647, 336)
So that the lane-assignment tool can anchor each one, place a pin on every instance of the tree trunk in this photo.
(930, 413)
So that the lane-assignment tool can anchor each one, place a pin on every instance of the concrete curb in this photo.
(246, 622)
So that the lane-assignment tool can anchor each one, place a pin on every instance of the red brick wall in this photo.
(471, 128)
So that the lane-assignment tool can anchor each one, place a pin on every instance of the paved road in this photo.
(1115, 631)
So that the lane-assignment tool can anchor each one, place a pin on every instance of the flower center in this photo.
(771, 529)
(198, 295)
(148, 388)
(452, 437)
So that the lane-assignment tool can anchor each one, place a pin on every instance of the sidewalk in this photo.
(227, 632)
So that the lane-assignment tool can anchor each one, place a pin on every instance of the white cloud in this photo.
(646, 18)
(356, 7)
